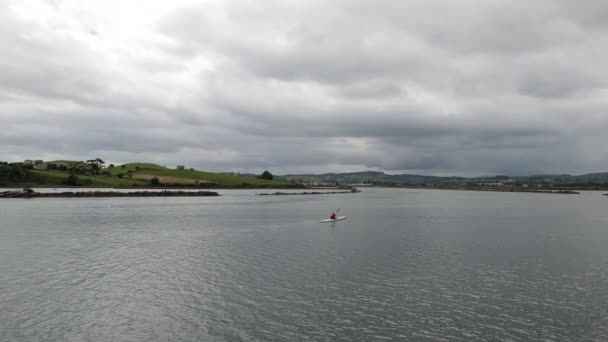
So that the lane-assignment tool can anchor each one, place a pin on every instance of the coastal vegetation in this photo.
(94, 173)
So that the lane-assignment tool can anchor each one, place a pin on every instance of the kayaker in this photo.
(332, 216)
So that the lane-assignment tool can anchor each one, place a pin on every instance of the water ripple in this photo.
(183, 270)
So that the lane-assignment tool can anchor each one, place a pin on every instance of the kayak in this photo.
(339, 218)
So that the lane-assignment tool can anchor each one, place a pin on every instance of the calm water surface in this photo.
(415, 265)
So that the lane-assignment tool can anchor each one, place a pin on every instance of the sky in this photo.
(464, 87)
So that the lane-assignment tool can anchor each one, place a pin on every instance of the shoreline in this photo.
(94, 194)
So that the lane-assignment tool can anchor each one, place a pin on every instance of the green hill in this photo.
(144, 171)
(127, 175)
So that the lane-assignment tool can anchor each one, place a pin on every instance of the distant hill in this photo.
(381, 178)
(368, 177)
(598, 177)
(329, 178)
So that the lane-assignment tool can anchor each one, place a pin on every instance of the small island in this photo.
(29, 193)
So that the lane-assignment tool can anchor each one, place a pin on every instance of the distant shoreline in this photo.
(519, 190)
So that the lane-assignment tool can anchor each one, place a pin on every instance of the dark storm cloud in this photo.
(465, 87)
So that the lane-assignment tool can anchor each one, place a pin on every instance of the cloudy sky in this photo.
(462, 87)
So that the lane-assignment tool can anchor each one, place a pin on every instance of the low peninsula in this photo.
(279, 193)
(29, 193)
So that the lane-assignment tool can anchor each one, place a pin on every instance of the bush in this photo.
(72, 180)
(155, 181)
(266, 175)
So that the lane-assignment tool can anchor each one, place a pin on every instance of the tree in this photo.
(94, 164)
(266, 175)
(155, 181)
(72, 180)
(111, 165)
(18, 173)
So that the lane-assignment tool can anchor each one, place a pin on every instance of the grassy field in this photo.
(220, 179)
(59, 177)
(141, 174)
(133, 167)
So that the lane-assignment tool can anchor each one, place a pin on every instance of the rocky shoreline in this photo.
(29, 193)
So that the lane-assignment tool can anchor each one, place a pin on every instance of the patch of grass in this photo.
(59, 177)
(218, 178)
(118, 169)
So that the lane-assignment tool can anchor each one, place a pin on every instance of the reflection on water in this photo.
(406, 265)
